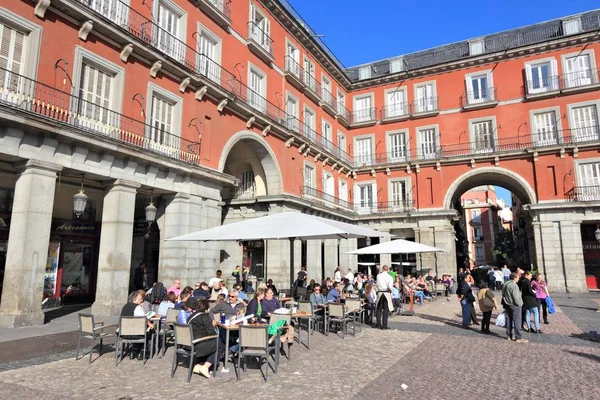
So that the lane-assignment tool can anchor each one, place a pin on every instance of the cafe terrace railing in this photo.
(584, 193)
(20, 92)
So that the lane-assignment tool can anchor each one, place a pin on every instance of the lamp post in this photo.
(79, 200)
(597, 233)
(150, 212)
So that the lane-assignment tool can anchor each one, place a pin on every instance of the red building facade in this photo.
(219, 110)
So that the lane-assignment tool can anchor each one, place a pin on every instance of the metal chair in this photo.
(167, 327)
(131, 330)
(337, 313)
(288, 325)
(254, 342)
(184, 345)
(354, 309)
(440, 289)
(88, 329)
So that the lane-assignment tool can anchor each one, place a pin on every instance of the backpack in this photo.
(158, 293)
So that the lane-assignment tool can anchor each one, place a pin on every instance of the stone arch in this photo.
(490, 176)
(262, 160)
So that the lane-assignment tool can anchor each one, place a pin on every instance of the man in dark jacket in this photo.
(202, 291)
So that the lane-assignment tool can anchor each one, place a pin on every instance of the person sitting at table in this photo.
(269, 304)
(347, 286)
(230, 307)
(184, 312)
(326, 286)
(371, 298)
(223, 288)
(316, 298)
(396, 296)
(202, 292)
(254, 306)
(272, 287)
(311, 286)
(167, 303)
(249, 289)
(241, 294)
(333, 296)
(202, 326)
(134, 308)
(185, 294)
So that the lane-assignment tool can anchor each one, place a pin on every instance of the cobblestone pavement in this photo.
(429, 353)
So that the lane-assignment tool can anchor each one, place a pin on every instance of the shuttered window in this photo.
(161, 120)
(12, 42)
(95, 91)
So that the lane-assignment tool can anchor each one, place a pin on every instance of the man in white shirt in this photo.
(338, 274)
(214, 282)
(506, 273)
(350, 275)
(384, 284)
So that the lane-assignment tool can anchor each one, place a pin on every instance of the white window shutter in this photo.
(554, 75)
(356, 195)
(252, 13)
(267, 27)
(375, 197)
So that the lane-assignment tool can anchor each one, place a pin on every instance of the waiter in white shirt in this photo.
(384, 284)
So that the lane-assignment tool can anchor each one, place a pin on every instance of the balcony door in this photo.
(257, 88)
(209, 56)
(364, 151)
(588, 180)
(578, 71)
(546, 131)
(95, 92)
(585, 123)
(362, 108)
(398, 196)
(395, 102)
(12, 49)
(168, 32)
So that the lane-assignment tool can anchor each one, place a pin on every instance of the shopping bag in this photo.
(501, 320)
(550, 304)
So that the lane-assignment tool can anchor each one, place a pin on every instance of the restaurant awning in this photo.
(397, 246)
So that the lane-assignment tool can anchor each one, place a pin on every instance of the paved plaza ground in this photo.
(429, 353)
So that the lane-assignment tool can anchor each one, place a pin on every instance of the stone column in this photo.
(352, 244)
(28, 240)
(445, 262)
(209, 252)
(172, 261)
(331, 261)
(278, 263)
(572, 256)
(313, 260)
(344, 260)
(116, 239)
(385, 259)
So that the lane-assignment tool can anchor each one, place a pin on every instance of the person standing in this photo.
(499, 278)
(506, 273)
(463, 292)
(512, 302)
(541, 293)
(487, 302)
(140, 277)
(338, 274)
(384, 284)
(530, 304)
(175, 288)
(237, 274)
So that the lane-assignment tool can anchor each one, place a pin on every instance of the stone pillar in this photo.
(385, 259)
(445, 262)
(344, 260)
(352, 258)
(173, 260)
(209, 252)
(313, 260)
(572, 256)
(116, 239)
(278, 263)
(28, 240)
(331, 261)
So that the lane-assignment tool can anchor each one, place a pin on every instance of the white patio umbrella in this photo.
(398, 246)
(287, 225)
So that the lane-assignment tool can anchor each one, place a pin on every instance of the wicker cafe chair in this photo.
(131, 330)
(355, 310)
(337, 313)
(440, 289)
(288, 325)
(166, 327)
(306, 307)
(254, 342)
(88, 329)
(184, 345)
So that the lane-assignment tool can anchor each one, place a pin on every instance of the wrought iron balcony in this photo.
(579, 80)
(362, 117)
(479, 98)
(569, 82)
(385, 207)
(395, 112)
(218, 10)
(18, 92)
(584, 193)
(235, 193)
(329, 102)
(425, 106)
(312, 87)
(391, 157)
(294, 72)
(344, 115)
(309, 191)
(542, 86)
(260, 42)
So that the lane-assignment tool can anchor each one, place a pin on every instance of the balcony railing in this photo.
(308, 191)
(579, 79)
(542, 85)
(343, 112)
(486, 145)
(19, 92)
(135, 24)
(294, 68)
(396, 110)
(260, 37)
(329, 100)
(425, 105)
(223, 6)
(385, 207)
(367, 115)
(312, 84)
(233, 193)
(584, 193)
(477, 97)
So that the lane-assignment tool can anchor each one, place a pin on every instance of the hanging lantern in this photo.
(79, 200)
(150, 210)
(597, 234)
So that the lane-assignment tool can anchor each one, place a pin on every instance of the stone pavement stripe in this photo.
(11, 391)
(40, 346)
(40, 360)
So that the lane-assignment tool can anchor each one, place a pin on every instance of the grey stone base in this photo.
(106, 309)
(20, 319)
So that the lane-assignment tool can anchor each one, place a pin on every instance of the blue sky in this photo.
(360, 31)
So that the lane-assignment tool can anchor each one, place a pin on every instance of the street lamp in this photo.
(79, 200)
(150, 211)
(597, 233)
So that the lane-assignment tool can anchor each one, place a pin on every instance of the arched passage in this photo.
(247, 152)
(490, 176)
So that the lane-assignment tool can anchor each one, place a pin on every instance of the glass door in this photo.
(78, 283)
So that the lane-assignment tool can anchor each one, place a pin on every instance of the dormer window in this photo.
(397, 65)
(364, 72)
(476, 47)
(571, 26)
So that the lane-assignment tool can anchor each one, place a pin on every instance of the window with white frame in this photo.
(12, 43)
(169, 21)
(292, 62)
(162, 116)
(584, 123)
(571, 26)
(341, 102)
(425, 97)
(542, 76)
(364, 72)
(260, 28)
(328, 185)
(309, 123)
(342, 190)
(209, 54)
(397, 65)
(480, 87)
(477, 233)
(482, 136)
(479, 253)
(247, 188)
(327, 133)
(476, 47)
(545, 128)
(326, 89)
(111, 9)
(363, 151)
(309, 74)
(476, 216)
(257, 88)
(578, 70)
(364, 197)
(399, 195)
(96, 92)
(309, 176)
(341, 140)
(428, 142)
(291, 110)
(588, 180)
(397, 146)
(363, 108)
(395, 103)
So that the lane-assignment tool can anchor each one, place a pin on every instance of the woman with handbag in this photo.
(541, 293)
(487, 302)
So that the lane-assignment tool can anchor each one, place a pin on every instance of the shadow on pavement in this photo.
(592, 357)
(62, 311)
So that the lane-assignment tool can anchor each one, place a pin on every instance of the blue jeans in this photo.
(466, 312)
(536, 317)
(421, 297)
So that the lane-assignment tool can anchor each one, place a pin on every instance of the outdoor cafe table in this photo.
(229, 328)
(304, 315)
(154, 345)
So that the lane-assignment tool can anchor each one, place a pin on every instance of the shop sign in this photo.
(140, 227)
(591, 247)
(73, 227)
